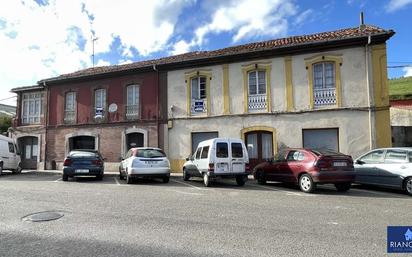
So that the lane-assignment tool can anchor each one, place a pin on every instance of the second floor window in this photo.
(324, 84)
(70, 107)
(257, 98)
(198, 95)
(32, 108)
(100, 102)
(132, 105)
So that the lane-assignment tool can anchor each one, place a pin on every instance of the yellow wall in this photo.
(176, 165)
(381, 96)
(289, 85)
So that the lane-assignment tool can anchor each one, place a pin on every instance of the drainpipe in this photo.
(157, 103)
(369, 84)
(46, 114)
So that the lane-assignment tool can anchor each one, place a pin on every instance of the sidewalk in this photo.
(60, 172)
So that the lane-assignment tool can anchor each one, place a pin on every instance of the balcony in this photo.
(198, 106)
(257, 102)
(69, 117)
(324, 97)
(132, 112)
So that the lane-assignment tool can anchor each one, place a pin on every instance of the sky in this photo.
(45, 38)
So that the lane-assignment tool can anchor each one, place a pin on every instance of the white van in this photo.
(218, 157)
(9, 156)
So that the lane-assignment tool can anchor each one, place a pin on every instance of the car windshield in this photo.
(82, 154)
(150, 153)
(325, 151)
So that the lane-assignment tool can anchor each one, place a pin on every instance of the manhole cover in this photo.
(43, 216)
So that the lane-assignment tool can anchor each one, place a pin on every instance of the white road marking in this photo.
(185, 193)
(57, 180)
(332, 223)
(378, 193)
(117, 181)
(187, 184)
(283, 191)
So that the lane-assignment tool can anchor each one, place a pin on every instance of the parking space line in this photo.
(378, 193)
(117, 181)
(280, 190)
(57, 180)
(187, 184)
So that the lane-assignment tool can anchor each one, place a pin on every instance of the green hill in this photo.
(400, 89)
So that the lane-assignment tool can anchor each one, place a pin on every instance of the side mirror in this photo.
(187, 159)
(121, 158)
(18, 153)
(104, 159)
(360, 162)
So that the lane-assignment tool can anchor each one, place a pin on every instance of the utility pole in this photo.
(93, 40)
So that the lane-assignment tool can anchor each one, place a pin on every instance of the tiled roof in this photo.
(323, 37)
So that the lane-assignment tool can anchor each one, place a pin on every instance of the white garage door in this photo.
(321, 138)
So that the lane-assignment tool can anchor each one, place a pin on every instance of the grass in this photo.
(400, 89)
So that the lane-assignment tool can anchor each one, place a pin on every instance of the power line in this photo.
(8, 98)
(398, 66)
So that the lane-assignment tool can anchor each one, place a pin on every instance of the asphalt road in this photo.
(111, 218)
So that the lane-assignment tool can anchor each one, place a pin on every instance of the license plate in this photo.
(150, 162)
(340, 164)
(81, 171)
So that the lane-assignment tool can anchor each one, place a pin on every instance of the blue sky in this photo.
(51, 37)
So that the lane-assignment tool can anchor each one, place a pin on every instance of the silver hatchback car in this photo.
(386, 167)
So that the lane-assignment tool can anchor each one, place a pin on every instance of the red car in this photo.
(307, 168)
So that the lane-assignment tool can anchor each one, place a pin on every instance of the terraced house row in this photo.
(321, 90)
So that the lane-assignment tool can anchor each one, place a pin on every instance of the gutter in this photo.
(369, 90)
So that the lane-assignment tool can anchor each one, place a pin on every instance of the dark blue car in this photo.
(83, 163)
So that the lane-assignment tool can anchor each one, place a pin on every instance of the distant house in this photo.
(408, 235)
(7, 110)
(401, 122)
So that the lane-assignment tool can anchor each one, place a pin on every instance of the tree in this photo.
(5, 123)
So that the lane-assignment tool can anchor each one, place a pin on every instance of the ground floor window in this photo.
(134, 140)
(321, 138)
(29, 148)
(198, 137)
(82, 142)
(260, 146)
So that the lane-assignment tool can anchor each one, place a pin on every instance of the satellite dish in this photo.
(112, 107)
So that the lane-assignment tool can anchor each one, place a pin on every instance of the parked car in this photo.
(218, 158)
(386, 167)
(83, 163)
(308, 168)
(9, 155)
(145, 162)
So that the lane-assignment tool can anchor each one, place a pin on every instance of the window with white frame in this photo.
(324, 84)
(198, 94)
(132, 105)
(70, 107)
(100, 102)
(32, 108)
(257, 98)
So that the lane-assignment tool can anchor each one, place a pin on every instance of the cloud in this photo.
(181, 47)
(303, 17)
(247, 19)
(408, 71)
(395, 5)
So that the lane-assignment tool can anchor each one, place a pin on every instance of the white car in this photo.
(218, 158)
(386, 167)
(9, 156)
(145, 162)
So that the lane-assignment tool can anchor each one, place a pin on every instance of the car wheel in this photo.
(166, 180)
(261, 178)
(408, 186)
(129, 180)
(65, 177)
(241, 180)
(206, 180)
(186, 176)
(306, 183)
(343, 187)
(1, 168)
(121, 177)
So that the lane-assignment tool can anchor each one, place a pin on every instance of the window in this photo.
(295, 156)
(257, 90)
(321, 139)
(395, 156)
(132, 105)
(205, 152)
(324, 86)
(222, 150)
(199, 150)
(373, 157)
(198, 94)
(11, 148)
(237, 150)
(70, 107)
(32, 108)
(100, 101)
(150, 153)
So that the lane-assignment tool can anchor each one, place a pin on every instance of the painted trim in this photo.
(337, 60)
(226, 99)
(133, 130)
(289, 84)
(267, 67)
(188, 78)
(244, 131)
(39, 144)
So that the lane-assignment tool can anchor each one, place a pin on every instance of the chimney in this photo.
(362, 23)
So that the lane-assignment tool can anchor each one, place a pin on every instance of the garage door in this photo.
(198, 137)
(321, 138)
